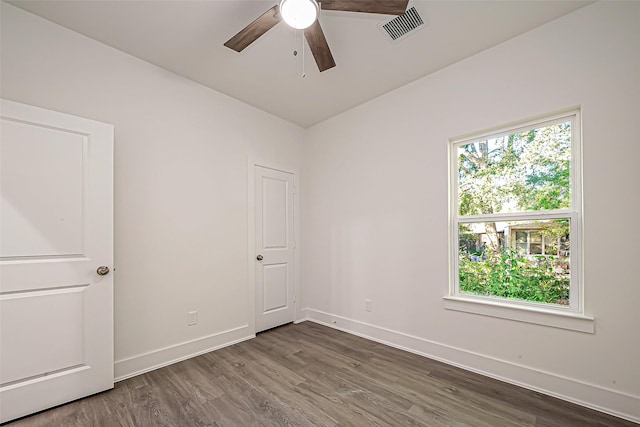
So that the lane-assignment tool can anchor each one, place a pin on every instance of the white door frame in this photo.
(251, 242)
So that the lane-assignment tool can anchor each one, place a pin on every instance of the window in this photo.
(516, 215)
(536, 242)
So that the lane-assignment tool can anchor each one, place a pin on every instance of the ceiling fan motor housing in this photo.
(299, 14)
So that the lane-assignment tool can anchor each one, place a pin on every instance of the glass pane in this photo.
(535, 246)
(564, 246)
(551, 246)
(506, 270)
(521, 242)
(525, 171)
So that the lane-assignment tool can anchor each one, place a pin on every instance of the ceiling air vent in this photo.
(401, 26)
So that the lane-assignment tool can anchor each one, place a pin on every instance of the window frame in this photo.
(456, 300)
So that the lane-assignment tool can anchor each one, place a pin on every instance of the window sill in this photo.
(539, 316)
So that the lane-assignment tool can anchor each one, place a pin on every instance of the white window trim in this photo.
(504, 309)
(571, 317)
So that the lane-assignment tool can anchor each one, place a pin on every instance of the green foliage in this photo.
(556, 229)
(548, 184)
(506, 274)
(527, 171)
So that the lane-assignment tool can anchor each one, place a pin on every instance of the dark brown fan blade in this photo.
(253, 31)
(386, 7)
(319, 46)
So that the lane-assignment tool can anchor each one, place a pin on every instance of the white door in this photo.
(275, 297)
(56, 229)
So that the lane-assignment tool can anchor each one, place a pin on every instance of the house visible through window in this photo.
(516, 212)
(536, 242)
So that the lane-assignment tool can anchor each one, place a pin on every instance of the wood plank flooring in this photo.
(311, 375)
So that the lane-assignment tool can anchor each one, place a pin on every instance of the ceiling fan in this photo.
(303, 14)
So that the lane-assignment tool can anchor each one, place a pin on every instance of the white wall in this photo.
(181, 156)
(375, 215)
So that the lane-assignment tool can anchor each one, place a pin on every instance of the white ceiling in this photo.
(187, 38)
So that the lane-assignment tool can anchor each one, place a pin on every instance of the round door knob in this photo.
(259, 257)
(103, 270)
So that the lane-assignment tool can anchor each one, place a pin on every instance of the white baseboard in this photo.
(136, 365)
(588, 395)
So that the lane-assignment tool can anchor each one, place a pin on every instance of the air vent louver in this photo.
(400, 26)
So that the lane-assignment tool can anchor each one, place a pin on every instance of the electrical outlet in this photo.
(368, 305)
(192, 318)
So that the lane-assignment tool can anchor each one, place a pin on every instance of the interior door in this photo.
(56, 249)
(275, 298)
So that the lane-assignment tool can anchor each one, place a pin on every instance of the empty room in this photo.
(319, 213)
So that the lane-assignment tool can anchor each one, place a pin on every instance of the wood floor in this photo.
(311, 375)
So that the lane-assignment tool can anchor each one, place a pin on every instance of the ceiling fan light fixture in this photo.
(299, 14)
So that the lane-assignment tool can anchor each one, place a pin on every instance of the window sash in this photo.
(576, 156)
(575, 296)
